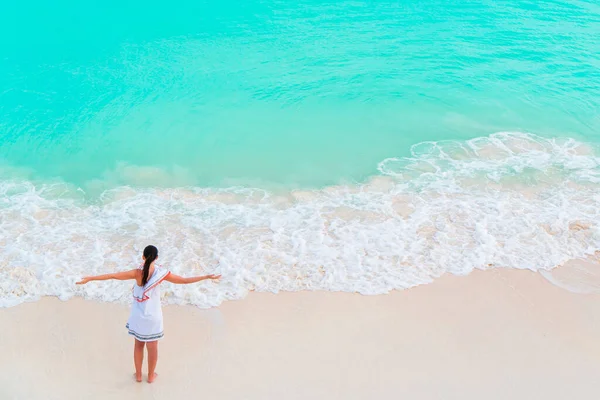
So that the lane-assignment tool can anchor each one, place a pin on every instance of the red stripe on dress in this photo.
(144, 297)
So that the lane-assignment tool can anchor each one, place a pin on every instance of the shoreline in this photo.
(499, 200)
(493, 334)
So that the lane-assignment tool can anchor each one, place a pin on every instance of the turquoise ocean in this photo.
(359, 146)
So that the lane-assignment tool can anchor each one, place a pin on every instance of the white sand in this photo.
(490, 335)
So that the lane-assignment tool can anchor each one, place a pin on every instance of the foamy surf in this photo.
(510, 200)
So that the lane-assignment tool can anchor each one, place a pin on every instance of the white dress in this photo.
(146, 320)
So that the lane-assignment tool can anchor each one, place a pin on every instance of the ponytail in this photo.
(150, 254)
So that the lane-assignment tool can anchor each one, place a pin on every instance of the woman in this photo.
(146, 320)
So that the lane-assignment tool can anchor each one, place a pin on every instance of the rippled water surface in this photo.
(295, 145)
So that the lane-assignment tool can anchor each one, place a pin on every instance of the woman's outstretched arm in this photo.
(192, 279)
(122, 276)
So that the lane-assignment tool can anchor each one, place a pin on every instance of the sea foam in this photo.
(510, 200)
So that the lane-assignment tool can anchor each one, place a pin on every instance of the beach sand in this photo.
(498, 334)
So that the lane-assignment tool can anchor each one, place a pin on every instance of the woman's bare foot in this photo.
(152, 378)
(138, 377)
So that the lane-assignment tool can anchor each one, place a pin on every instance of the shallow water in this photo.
(306, 145)
(510, 200)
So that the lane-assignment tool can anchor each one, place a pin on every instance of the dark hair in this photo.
(150, 254)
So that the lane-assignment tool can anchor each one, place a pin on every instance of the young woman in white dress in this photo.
(145, 322)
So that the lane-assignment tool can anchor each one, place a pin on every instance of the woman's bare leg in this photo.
(138, 359)
(152, 359)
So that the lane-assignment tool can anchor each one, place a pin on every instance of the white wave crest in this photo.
(510, 200)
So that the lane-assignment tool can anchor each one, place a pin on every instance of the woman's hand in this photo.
(84, 280)
(213, 277)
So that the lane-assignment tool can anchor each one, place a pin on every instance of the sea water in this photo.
(360, 146)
